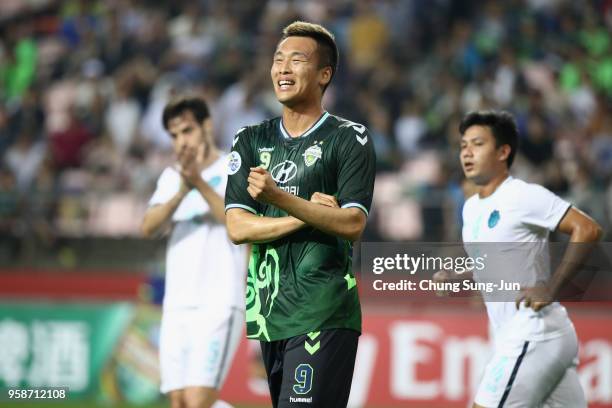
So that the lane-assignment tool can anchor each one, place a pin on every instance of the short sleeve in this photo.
(542, 208)
(239, 162)
(356, 169)
(168, 185)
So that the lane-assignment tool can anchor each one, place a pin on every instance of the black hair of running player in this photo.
(326, 43)
(502, 125)
(177, 106)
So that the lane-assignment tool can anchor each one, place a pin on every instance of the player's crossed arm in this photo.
(263, 188)
(347, 223)
(244, 226)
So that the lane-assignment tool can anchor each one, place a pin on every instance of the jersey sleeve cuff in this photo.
(356, 205)
(558, 222)
(244, 207)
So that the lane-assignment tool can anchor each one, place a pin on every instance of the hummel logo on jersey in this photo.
(237, 136)
(362, 140)
(307, 400)
(359, 128)
(284, 172)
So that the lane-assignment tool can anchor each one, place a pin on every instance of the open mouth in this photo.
(285, 84)
(468, 166)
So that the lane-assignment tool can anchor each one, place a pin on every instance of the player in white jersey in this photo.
(535, 344)
(203, 308)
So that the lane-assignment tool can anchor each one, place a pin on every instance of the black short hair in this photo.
(326, 43)
(502, 125)
(179, 105)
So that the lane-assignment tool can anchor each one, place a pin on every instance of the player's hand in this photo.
(190, 166)
(262, 186)
(441, 277)
(536, 297)
(324, 199)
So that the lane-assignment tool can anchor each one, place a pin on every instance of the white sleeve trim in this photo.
(244, 207)
(356, 205)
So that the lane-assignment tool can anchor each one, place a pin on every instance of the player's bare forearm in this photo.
(347, 223)
(245, 227)
(214, 200)
(156, 218)
(584, 233)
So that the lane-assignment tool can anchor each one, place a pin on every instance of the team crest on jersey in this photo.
(493, 219)
(312, 154)
(234, 163)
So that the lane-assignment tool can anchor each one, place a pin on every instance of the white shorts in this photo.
(533, 374)
(196, 347)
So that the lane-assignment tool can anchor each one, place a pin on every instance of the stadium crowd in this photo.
(83, 84)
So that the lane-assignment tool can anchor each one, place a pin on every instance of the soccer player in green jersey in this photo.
(299, 189)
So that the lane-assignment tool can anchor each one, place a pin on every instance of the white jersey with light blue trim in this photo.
(203, 267)
(303, 282)
(513, 224)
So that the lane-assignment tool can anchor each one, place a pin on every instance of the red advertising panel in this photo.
(431, 359)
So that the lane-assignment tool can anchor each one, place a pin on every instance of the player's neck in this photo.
(489, 188)
(298, 120)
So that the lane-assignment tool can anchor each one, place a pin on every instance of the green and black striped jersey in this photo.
(304, 281)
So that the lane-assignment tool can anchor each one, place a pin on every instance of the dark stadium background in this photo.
(82, 85)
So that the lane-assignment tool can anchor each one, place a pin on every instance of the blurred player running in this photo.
(302, 302)
(535, 343)
(203, 309)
